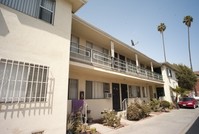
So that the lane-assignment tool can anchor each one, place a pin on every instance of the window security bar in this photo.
(22, 82)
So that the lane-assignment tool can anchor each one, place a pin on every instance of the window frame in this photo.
(105, 86)
(134, 92)
(69, 89)
(49, 10)
(169, 72)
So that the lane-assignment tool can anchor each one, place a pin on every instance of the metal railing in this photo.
(85, 107)
(103, 60)
(124, 104)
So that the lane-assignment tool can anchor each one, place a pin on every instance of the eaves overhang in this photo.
(77, 4)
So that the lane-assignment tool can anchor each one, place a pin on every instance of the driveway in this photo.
(173, 122)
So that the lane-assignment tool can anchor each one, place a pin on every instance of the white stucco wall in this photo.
(169, 82)
(34, 41)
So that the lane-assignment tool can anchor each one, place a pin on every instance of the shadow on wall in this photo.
(3, 26)
(32, 108)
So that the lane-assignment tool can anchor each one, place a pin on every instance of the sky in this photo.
(138, 20)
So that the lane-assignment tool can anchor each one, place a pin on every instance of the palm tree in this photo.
(187, 20)
(161, 29)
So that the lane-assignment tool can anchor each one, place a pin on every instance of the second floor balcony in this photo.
(102, 60)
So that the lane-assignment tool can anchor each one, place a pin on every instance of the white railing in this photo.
(85, 112)
(124, 104)
(124, 107)
(88, 55)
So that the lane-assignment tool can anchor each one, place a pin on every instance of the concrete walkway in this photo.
(173, 122)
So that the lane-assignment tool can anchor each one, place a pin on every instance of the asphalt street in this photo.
(194, 129)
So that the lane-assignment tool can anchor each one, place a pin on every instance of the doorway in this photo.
(116, 96)
(124, 91)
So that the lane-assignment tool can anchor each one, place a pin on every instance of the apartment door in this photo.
(160, 92)
(124, 91)
(116, 96)
(116, 60)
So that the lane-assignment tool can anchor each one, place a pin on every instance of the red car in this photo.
(188, 102)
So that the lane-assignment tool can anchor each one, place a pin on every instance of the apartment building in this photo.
(34, 65)
(106, 72)
(170, 81)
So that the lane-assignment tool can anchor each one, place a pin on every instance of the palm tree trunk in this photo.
(164, 48)
(190, 59)
(189, 50)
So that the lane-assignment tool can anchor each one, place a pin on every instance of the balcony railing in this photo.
(103, 60)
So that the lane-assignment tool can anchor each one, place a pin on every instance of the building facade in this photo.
(50, 57)
(105, 72)
(34, 65)
(170, 81)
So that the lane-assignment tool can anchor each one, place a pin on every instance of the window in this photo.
(42, 9)
(169, 72)
(89, 46)
(138, 91)
(73, 89)
(134, 91)
(20, 81)
(96, 90)
(74, 44)
(144, 92)
(130, 62)
(47, 10)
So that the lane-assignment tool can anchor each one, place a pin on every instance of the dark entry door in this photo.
(160, 92)
(124, 91)
(116, 96)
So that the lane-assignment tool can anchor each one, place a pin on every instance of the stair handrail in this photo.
(124, 104)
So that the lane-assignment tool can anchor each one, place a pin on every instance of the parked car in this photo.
(188, 102)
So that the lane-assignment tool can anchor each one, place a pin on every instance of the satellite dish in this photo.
(133, 44)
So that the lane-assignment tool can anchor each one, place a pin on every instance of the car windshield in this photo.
(187, 99)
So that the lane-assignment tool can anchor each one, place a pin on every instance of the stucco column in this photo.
(136, 58)
(151, 66)
(112, 49)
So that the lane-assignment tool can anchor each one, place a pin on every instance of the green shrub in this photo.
(164, 104)
(133, 112)
(146, 109)
(76, 126)
(155, 105)
(137, 111)
(111, 119)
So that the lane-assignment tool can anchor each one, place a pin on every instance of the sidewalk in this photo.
(173, 122)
